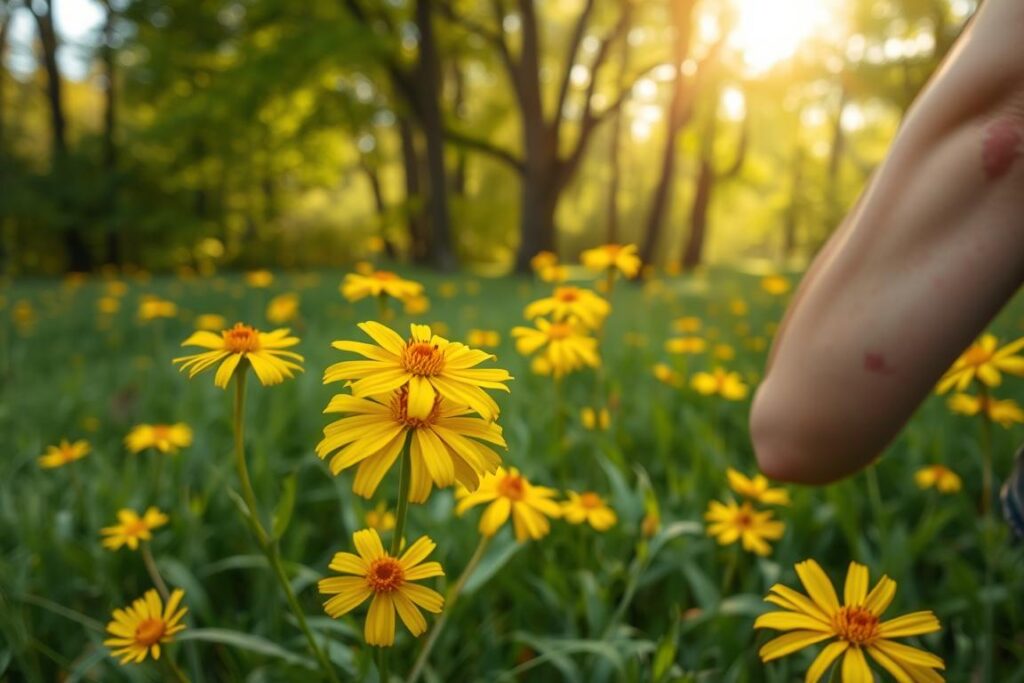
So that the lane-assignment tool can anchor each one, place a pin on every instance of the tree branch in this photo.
(494, 151)
(570, 60)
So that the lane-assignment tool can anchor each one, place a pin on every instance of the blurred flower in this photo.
(509, 493)
(1005, 412)
(607, 257)
(599, 419)
(685, 345)
(738, 307)
(153, 307)
(283, 308)
(164, 438)
(728, 385)
(23, 315)
(756, 489)
(569, 303)
(389, 580)
(590, 508)
(447, 290)
(487, 339)
(776, 285)
(673, 267)
(729, 523)
(375, 244)
(665, 374)
(687, 325)
(540, 365)
(554, 274)
(259, 278)
(445, 443)
(723, 352)
(377, 283)
(108, 305)
(116, 288)
(62, 454)
(983, 361)
(856, 625)
(427, 363)
(211, 322)
(130, 528)
(264, 351)
(543, 260)
(566, 345)
(139, 630)
(363, 267)
(380, 518)
(940, 477)
(416, 305)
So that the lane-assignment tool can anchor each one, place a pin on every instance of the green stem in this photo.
(988, 526)
(404, 483)
(176, 672)
(154, 572)
(986, 454)
(267, 544)
(382, 665)
(453, 595)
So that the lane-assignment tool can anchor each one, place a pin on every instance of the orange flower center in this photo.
(856, 625)
(161, 432)
(567, 295)
(384, 275)
(559, 331)
(612, 249)
(422, 358)
(241, 339)
(744, 519)
(135, 528)
(385, 575)
(400, 410)
(149, 631)
(977, 356)
(512, 487)
(590, 500)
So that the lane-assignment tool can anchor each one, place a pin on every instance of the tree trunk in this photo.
(5, 27)
(418, 238)
(694, 252)
(458, 184)
(113, 241)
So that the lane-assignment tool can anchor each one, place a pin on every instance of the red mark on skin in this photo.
(1000, 149)
(875, 362)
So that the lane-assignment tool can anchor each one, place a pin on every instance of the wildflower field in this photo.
(601, 520)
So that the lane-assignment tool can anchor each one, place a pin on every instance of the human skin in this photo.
(924, 261)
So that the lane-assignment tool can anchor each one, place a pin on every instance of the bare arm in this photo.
(932, 251)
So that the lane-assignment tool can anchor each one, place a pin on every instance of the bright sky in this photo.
(77, 22)
(769, 32)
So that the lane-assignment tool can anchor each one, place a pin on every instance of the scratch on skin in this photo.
(875, 362)
(1000, 149)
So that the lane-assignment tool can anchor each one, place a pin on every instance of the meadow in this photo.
(653, 597)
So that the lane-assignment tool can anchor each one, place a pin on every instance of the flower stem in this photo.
(453, 595)
(176, 672)
(986, 454)
(404, 483)
(154, 573)
(267, 544)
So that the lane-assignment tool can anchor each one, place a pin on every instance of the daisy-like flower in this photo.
(729, 523)
(509, 493)
(164, 438)
(686, 345)
(377, 283)
(153, 307)
(757, 489)
(983, 361)
(380, 518)
(856, 626)
(776, 285)
(542, 260)
(264, 351)
(555, 273)
(416, 305)
(595, 419)
(130, 528)
(611, 257)
(140, 629)
(259, 278)
(211, 322)
(63, 453)
(427, 363)
(569, 303)
(389, 580)
(940, 477)
(728, 385)
(687, 324)
(1005, 412)
(283, 308)
(566, 345)
(590, 508)
(666, 375)
(446, 444)
(487, 339)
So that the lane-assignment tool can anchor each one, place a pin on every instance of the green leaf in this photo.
(285, 506)
(496, 557)
(245, 641)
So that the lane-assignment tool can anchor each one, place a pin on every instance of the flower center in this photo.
(384, 275)
(241, 339)
(423, 358)
(149, 631)
(385, 575)
(612, 249)
(400, 410)
(135, 528)
(590, 500)
(559, 331)
(856, 625)
(512, 487)
(744, 519)
(977, 356)
(161, 432)
(567, 295)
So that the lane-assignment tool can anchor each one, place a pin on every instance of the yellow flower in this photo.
(153, 307)
(687, 325)
(728, 385)
(389, 580)
(568, 303)
(509, 493)
(259, 278)
(776, 285)
(856, 625)
(1005, 412)
(445, 444)
(211, 322)
(543, 260)
(939, 476)
(590, 508)
(738, 307)
(116, 288)
(375, 244)
(567, 346)
(983, 361)
(540, 365)
(554, 273)
(621, 257)
(283, 308)
(139, 630)
(264, 351)
(379, 282)
(164, 438)
(380, 518)
(62, 454)
(130, 528)
(724, 352)
(666, 375)
(487, 339)
(416, 305)
(595, 419)
(756, 489)
(447, 290)
(685, 345)
(108, 305)
(427, 363)
(729, 523)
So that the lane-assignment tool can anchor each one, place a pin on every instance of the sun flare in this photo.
(770, 32)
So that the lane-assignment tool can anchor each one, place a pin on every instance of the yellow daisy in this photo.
(1005, 412)
(609, 257)
(729, 523)
(543, 260)
(940, 477)
(983, 361)
(445, 444)
(211, 322)
(427, 363)
(130, 528)
(568, 303)
(487, 339)
(683, 345)
(377, 283)
(153, 307)
(776, 285)
(140, 629)
(687, 325)
(389, 580)
(259, 278)
(380, 518)
(264, 351)
(590, 508)
(509, 493)
(756, 489)
(856, 627)
(728, 385)
(416, 305)
(164, 438)
(283, 308)
(63, 453)
(567, 346)
(666, 375)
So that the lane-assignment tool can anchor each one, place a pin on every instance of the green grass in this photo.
(550, 608)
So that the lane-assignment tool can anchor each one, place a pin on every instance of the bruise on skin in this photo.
(875, 362)
(1000, 148)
